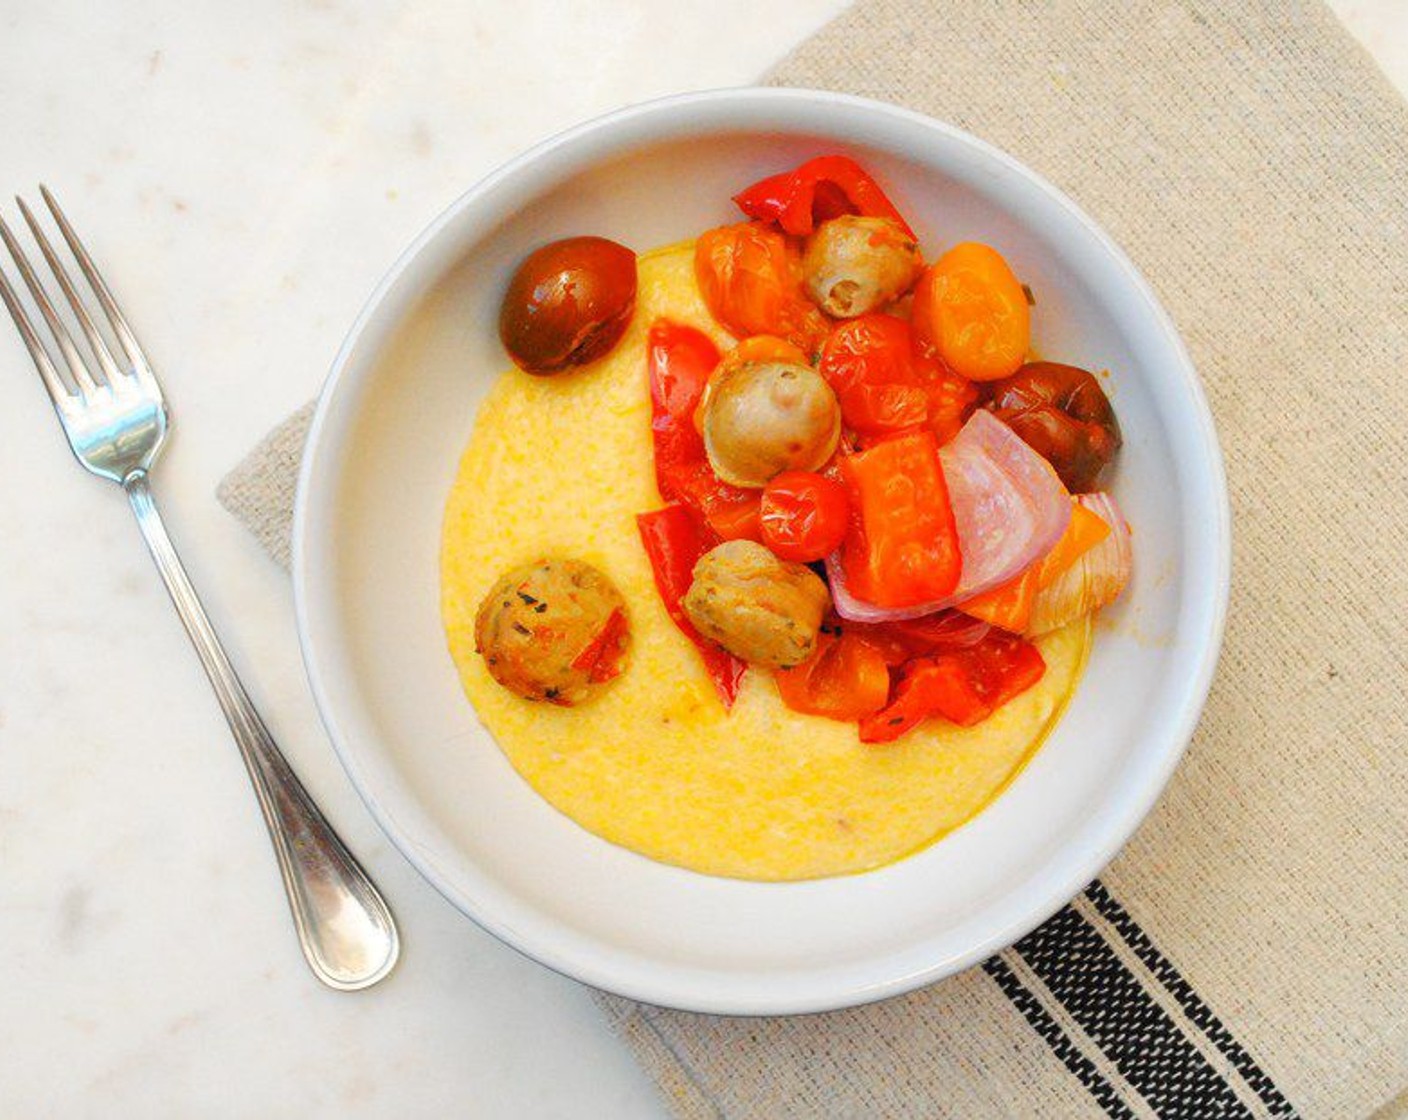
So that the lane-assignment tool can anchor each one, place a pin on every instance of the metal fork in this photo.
(115, 419)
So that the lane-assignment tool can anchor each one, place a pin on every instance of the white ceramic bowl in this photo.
(395, 415)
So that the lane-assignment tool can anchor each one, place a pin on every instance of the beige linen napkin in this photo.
(1246, 955)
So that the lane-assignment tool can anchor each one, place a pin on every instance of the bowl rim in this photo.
(553, 945)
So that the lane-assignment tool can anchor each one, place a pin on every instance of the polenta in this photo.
(562, 466)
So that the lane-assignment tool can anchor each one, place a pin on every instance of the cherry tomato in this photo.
(971, 313)
(803, 516)
(951, 398)
(845, 678)
(568, 304)
(885, 387)
(764, 348)
(1064, 415)
(870, 365)
(751, 278)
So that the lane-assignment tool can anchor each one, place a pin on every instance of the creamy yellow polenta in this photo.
(560, 466)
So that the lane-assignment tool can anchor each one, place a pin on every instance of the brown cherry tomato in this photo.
(803, 516)
(1064, 415)
(568, 304)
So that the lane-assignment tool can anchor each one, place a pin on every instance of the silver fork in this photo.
(116, 420)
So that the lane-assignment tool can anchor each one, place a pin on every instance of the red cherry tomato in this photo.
(803, 516)
(886, 386)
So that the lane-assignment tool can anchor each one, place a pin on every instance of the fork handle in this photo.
(344, 926)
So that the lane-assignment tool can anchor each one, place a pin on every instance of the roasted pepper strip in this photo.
(681, 360)
(902, 548)
(962, 686)
(601, 657)
(674, 541)
(822, 188)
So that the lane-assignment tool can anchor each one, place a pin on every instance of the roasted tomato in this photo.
(568, 304)
(886, 386)
(803, 516)
(845, 678)
(972, 313)
(1064, 415)
(751, 278)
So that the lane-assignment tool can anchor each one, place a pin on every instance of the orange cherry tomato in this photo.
(970, 312)
(845, 678)
(765, 348)
(751, 278)
(803, 515)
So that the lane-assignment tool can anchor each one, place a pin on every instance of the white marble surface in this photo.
(244, 173)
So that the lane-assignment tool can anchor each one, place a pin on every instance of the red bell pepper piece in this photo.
(601, 656)
(903, 640)
(962, 686)
(681, 360)
(902, 547)
(822, 188)
(674, 541)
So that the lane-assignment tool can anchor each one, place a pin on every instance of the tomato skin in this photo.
(961, 686)
(906, 639)
(1063, 414)
(750, 276)
(971, 313)
(886, 386)
(845, 679)
(901, 548)
(803, 516)
(764, 348)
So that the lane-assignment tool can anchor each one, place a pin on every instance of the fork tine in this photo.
(58, 392)
(85, 321)
(82, 378)
(99, 286)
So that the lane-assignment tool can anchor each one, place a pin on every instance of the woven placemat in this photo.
(1247, 954)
